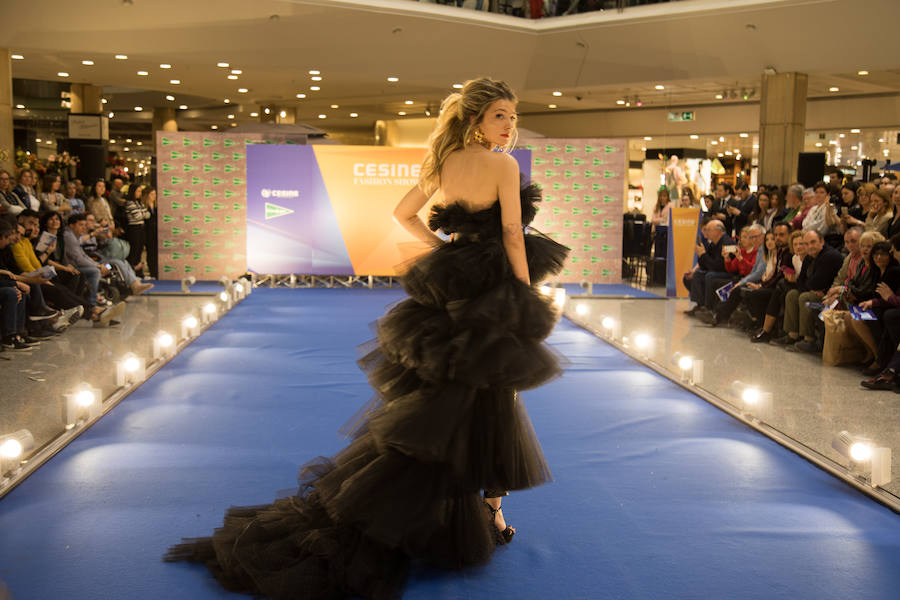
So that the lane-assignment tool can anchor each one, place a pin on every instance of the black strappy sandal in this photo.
(500, 537)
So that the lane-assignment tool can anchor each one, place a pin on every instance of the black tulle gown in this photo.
(445, 424)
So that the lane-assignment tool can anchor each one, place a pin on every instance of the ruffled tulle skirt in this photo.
(446, 423)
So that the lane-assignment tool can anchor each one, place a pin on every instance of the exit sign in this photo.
(681, 116)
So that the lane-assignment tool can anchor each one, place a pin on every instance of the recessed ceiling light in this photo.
(234, 124)
(183, 107)
(335, 106)
(140, 143)
(232, 77)
(138, 108)
(165, 66)
(314, 72)
(314, 88)
(323, 116)
(551, 106)
(854, 147)
(38, 140)
(557, 93)
(175, 81)
(87, 63)
(862, 73)
(254, 114)
(854, 131)
(111, 115)
(393, 79)
(660, 87)
(126, 149)
(316, 78)
(282, 114)
(643, 148)
(20, 106)
(880, 140)
(236, 72)
(728, 153)
(720, 155)
(224, 65)
(170, 98)
(695, 137)
(243, 90)
(402, 113)
(408, 102)
(647, 138)
(49, 142)
(143, 73)
(121, 57)
(112, 141)
(834, 89)
(213, 126)
(756, 146)
(818, 144)
(620, 102)
(721, 139)
(127, 140)
(18, 57)
(227, 100)
(457, 86)
(714, 142)
(743, 135)
(354, 115)
(301, 96)
(103, 100)
(63, 74)
(718, 96)
(842, 135)
(230, 116)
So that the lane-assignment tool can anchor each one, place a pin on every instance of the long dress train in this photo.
(445, 424)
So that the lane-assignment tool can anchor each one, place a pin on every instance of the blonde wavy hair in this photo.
(461, 112)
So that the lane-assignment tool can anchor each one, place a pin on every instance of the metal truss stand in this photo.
(324, 281)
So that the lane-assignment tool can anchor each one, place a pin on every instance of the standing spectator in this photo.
(79, 188)
(136, 214)
(710, 266)
(879, 217)
(813, 283)
(717, 210)
(51, 198)
(117, 199)
(687, 198)
(9, 202)
(148, 197)
(663, 208)
(98, 205)
(25, 192)
(76, 204)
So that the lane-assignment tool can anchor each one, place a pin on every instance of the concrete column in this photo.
(163, 120)
(86, 98)
(6, 108)
(782, 124)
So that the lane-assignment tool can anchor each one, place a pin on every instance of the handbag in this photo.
(841, 344)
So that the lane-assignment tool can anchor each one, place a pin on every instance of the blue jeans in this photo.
(12, 311)
(124, 268)
(92, 276)
(703, 292)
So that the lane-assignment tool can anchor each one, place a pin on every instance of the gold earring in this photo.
(480, 139)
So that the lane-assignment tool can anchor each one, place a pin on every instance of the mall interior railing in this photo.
(538, 9)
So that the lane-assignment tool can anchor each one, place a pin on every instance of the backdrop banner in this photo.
(684, 231)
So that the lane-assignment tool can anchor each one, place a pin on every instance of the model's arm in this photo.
(511, 217)
(406, 214)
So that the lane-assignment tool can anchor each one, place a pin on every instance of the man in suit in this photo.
(709, 268)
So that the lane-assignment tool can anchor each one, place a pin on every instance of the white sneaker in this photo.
(70, 315)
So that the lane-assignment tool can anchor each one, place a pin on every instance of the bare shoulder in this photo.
(503, 164)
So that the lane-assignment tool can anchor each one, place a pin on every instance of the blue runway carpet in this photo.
(658, 495)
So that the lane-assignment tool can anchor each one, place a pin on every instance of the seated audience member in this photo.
(793, 267)
(687, 198)
(849, 206)
(98, 205)
(9, 202)
(879, 281)
(100, 314)
(51, 197)
(863, 200)
(12, 301)
(94, 243)
(37, 307)
(766, 212)
(67, 275)
(793, 200)
(749, 264)
(809, 202)
(710, 265)
(885, 331)
(76, 204)
(813, 283)
(879, 216)
(822, 217)
(854, 262)
(25, 191)
(777, 257)
(894, 224)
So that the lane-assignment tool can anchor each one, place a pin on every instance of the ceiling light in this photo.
(457, 86)
(818, 144)
(232, 116)
(20, 106)
(266, 110)
(720, 155)
(744, 135)
(880, 140)
(647, 138)
(660, 87)
(854, 147)
(140, 143)
(165, 66)
(236, 72)
(402, 113)
(175, 81)
(335, 106)
(314, 88)
(719, 96)
(234, 124)
(243, 90)
(862, 72)
(127, 140)
(834, 89)
(213, 126)
(282, 114)
(224, 65)
(643, 148)
(63, 74)
(393, 79)
(721, 139)
(112, 141)
(557, 93)
(143, 73)
(126, 149)
(301, 95)
(695, 137)
(714, 142)
(18, 57)
(316, 78)
(314, 72)
(170, 98)
(854, 131)
(49, 141)
(38, 140)
(551, 106)
(254, 114)
(620, 102)
(354, 115)
(323, 116)
(103, 100)
(121, 57)
(841, 135)
(87, 63)
(183, 106)
(138, 108)
(232, 77)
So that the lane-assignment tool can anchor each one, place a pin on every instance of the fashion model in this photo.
(446, 437)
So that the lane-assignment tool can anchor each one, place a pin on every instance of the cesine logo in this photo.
(267, 193)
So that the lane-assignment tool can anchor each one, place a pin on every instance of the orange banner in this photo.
(684, 231)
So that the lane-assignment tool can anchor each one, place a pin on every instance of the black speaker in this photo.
(93, 162)
(810, 167)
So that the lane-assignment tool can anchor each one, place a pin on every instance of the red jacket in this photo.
(743, 263)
